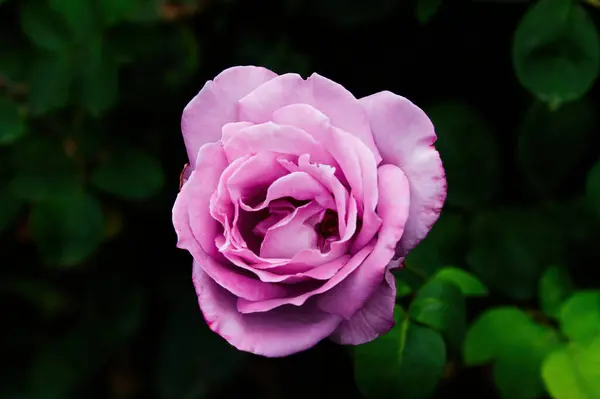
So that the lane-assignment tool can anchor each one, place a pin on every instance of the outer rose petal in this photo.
(277, 333)
(350, 296)
(405, 137)
(202, 183)
(325, 95)
(216, 104)
(373, 320)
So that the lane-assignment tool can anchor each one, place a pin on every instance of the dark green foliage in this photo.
(500, 300)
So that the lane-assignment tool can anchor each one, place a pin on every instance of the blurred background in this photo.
(96, 301)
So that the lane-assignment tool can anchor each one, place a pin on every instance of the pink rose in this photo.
(297, 202)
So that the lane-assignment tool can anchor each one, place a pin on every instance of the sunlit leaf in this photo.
(516, 345)
(573, 371)
(579, 316)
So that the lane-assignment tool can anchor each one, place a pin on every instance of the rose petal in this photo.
(245, 305)
(297, 185)
(202, 183)
(293, 233)
(321, 272)
(350, 296)
(216, 104)
(325, 174)
(281, 139)
(356, 161)
(282, 332)
(375, 318)
(227, 277)
(329, 97)
(405, 136)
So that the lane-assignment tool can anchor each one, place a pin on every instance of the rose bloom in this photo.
(297, 201)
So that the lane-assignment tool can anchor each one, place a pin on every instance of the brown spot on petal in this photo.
(181, 175)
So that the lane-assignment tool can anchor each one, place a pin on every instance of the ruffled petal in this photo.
(250, 306)
(405, 136)
(294, 233)
(356, 161)
(350, 296)
(300, 186)
(278, 333)
(224, 274)
(202, 183)
(281, 139)
(329, 97)
(217, 104)
(373, 319)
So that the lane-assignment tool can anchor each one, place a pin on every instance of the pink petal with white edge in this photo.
(374, 319)
(217, 104)
(350, 296)
(281, 332)
(329, 97)
(405, 137)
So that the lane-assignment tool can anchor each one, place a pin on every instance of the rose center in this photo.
(329, 226)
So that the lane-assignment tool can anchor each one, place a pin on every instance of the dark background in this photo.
(108, 310)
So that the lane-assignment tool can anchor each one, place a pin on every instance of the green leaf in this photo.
(464, 140)
(441, 306)
(99, 78)
(43, 26)
(43, 170)
(49, 82)
(573, 371)
(79, 16)
(115, 11)
(12, 123)
(579, 316)
(445, 244)
(67, 231)
(427, 9)
(592, 188)
(546, 136)
(191, 357)
(129, 173)
(407, 362)
(402, 288)
(468, 284)
(516, 344)
(556, 51)
(511, 248)
(9, 208)
(517, 370)
(555, 285)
